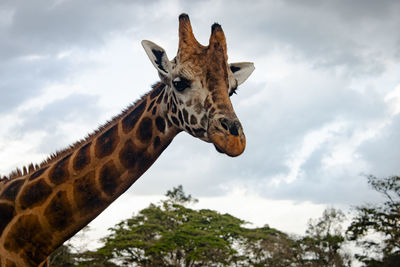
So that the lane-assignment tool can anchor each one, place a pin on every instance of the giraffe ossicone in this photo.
(43, 206)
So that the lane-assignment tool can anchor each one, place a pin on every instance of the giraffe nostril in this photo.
(230, 126)
(225, 124)
(234, 129)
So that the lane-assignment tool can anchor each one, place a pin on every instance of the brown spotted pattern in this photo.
(82, 158)
(109, 178)
(11, 191)
(7, 214)
(59, 173)
(86, 194)
(128, 155)
(34, 193)
(107, 142)
(145, 129)
(28, 238)
(37, 173)
(59, 212)
(130, 120)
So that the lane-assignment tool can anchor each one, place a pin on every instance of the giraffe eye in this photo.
(180, 83)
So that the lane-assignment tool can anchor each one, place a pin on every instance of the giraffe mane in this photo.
(26, 170)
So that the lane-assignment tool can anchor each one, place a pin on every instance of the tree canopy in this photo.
(170, 233)
(383, 219)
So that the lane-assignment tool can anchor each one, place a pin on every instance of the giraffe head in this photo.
(199, 85)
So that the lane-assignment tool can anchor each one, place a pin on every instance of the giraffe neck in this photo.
(41, 210)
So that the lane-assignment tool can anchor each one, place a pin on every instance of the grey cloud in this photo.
(79, 106)
(325, 188)
(20, 79)
(327, 33)
(343, 184)
(76, 108)
(358, 9)
(43, 29)
(382, 151)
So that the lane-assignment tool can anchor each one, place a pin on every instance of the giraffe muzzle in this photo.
(227, 136)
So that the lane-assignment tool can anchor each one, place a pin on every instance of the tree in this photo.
(177, 196)
(70, 253)
(265, 246)
(383, 219)
(324, 239)
(63, 257)
(171, 234)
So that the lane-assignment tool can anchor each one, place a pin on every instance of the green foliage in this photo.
(324, 239)
(93, 259)
(171, 234)
(383, 219)
(63, 257)
(269, 247)
(176, 195)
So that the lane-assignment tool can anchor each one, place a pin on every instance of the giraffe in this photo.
(44, 205)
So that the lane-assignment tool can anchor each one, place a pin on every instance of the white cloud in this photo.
(393, 99)
(311, 142)
(18, 153)
(286, 215)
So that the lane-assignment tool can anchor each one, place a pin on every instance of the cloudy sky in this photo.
(321, 110)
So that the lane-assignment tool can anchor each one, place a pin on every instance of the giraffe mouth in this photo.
(218, 149)
(226, 133)
(230, 145)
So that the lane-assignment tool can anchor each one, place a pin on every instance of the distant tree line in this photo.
(172, 234)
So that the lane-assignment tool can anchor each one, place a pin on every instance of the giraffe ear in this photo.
(241, 70)
(158, 57)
